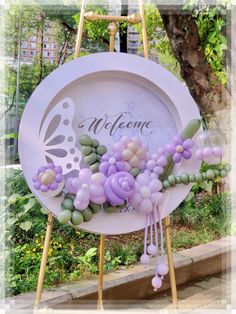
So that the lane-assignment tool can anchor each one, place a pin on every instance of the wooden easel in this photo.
(112, 28)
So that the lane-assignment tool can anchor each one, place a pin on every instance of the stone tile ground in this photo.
(208, 293)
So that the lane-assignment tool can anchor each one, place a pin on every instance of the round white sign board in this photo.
(105, 95)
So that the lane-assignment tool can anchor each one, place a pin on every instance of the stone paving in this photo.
(209, 293)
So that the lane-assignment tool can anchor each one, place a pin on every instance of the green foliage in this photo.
(94, 32)
(211, 213)
(211, 22)
(73, 253)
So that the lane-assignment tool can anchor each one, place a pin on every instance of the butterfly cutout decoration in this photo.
(57, 137)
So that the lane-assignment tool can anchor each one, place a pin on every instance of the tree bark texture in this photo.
(208, 92)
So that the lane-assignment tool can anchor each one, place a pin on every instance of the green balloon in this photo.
(166, 184)
(217, 172)
(227, 167)
(199, 178)
(99, 157)
(191, 129)
(191, 178)
(101, 150)
(95, 167)
(67, 204)
(184, 178)
(64, 216)
(85, 140)
(178, 179)
(204, 176)
(86, 150)
(210, 174)
(109, 209)
(171, 179)
(93, 149)
(90, 159)
(87, 214)
(134, 172)
(77, 218)
(220, 167)
(70, 196)
(95, 208)
(223, 173)
(95, 143)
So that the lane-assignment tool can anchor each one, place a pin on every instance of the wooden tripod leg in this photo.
(80, 30)
(43, 261)
(101, 270)
(170, 262)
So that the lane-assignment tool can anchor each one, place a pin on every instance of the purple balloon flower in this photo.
(49, 178)
(111, 164)
(180, 149)
(118, 187)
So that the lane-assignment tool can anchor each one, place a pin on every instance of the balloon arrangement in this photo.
(129, 174)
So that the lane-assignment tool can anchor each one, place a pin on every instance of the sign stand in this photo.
(112, 28)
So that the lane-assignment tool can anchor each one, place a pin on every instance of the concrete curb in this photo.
(134, 283)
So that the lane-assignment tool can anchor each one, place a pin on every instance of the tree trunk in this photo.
(39, 56)
(123, 30)
(201, 80)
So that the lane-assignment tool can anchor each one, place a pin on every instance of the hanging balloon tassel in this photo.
(145, 259)
(156, 280)
(163, 267)
(151, 249)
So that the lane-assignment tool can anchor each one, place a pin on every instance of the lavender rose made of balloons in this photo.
(119, 187)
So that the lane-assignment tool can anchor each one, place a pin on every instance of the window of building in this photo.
(32, 45)
(24, 44)
(46, 46)
(32, 52)
(24, 59)
(24, 52)
(46, 53)
(33, 38)
(53, 46)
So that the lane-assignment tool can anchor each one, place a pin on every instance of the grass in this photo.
(74, 253)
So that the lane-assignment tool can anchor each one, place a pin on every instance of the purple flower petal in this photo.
(178, 140)
(53, 186)
(111, 170)
(59, 177)
(188, 144)
(118, 156)
(120, 166)
(103, 167)
(37, 185)
(105, 157)
(177, 157)
(187, 154)
(170, 149)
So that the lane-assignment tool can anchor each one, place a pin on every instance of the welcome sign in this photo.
(106, 97)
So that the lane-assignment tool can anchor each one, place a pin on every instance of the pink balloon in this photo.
(218, 151)
(156, 282)
(83, 194)
(135, 200)
(155, 185)
(85, 175)
(98, 199)
(207, 152)
(162, 269)
(98, 178)
(96, 190)
(199, 155)
(143, 179)
(145, 206)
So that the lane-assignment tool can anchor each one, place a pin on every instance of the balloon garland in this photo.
(129, 174)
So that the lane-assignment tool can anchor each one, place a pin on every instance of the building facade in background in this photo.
(30, 47)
